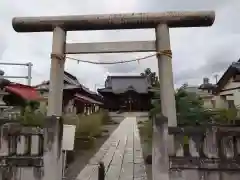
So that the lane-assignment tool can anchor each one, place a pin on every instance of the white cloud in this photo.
(197, 52)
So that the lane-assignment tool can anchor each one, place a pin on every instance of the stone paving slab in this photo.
(121, 155)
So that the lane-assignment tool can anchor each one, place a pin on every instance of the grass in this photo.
(88, 128)
(145, 130)
(89, 125)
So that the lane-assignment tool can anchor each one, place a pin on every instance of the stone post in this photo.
(167, 93)
(53, 155)
(160, 160)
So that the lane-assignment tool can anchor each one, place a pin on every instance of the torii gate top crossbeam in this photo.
(113, 21)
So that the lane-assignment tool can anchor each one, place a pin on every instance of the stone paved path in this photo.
(121, 155)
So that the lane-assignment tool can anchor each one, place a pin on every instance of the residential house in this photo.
(225, 94)
(204, 91)
(227, 91)
(76, 97)
(13, 97)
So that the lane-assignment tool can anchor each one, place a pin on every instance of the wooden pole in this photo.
(167, 93)
(53, 154)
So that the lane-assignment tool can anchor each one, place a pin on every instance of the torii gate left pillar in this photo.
(59, 25)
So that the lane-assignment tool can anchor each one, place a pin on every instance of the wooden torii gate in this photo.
(59, 25)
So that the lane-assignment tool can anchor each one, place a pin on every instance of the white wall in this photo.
(207, 103)
(207, 98)
(220, 101)
(237, 97)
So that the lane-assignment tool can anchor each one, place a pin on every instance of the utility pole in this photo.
(29, 75)
(216, 77)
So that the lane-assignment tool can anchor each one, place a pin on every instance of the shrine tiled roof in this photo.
(121, 84)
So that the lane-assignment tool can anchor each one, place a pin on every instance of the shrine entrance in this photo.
(59, 25)
(130, 101)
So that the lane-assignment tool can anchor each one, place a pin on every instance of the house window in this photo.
(231, 104)
(236, 78)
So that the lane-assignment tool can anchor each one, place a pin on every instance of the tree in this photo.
(225, 116)
(151, 76)
(189, 106)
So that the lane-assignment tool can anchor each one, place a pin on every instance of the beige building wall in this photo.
(207, 103)
(229, 94)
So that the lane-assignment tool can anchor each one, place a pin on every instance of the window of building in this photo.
(231, 104)
(236, 78)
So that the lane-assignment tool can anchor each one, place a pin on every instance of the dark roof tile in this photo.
(121, 84)
(233, 69)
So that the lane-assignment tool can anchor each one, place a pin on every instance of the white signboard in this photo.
(68, 137)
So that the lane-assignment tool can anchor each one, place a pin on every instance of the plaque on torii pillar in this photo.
(59, 25)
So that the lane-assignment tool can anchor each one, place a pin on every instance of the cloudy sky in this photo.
(197, 52)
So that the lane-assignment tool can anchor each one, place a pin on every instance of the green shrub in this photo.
(31, 117)
(105, 118)
(225, 116)
(146, 131)
(89, 125)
